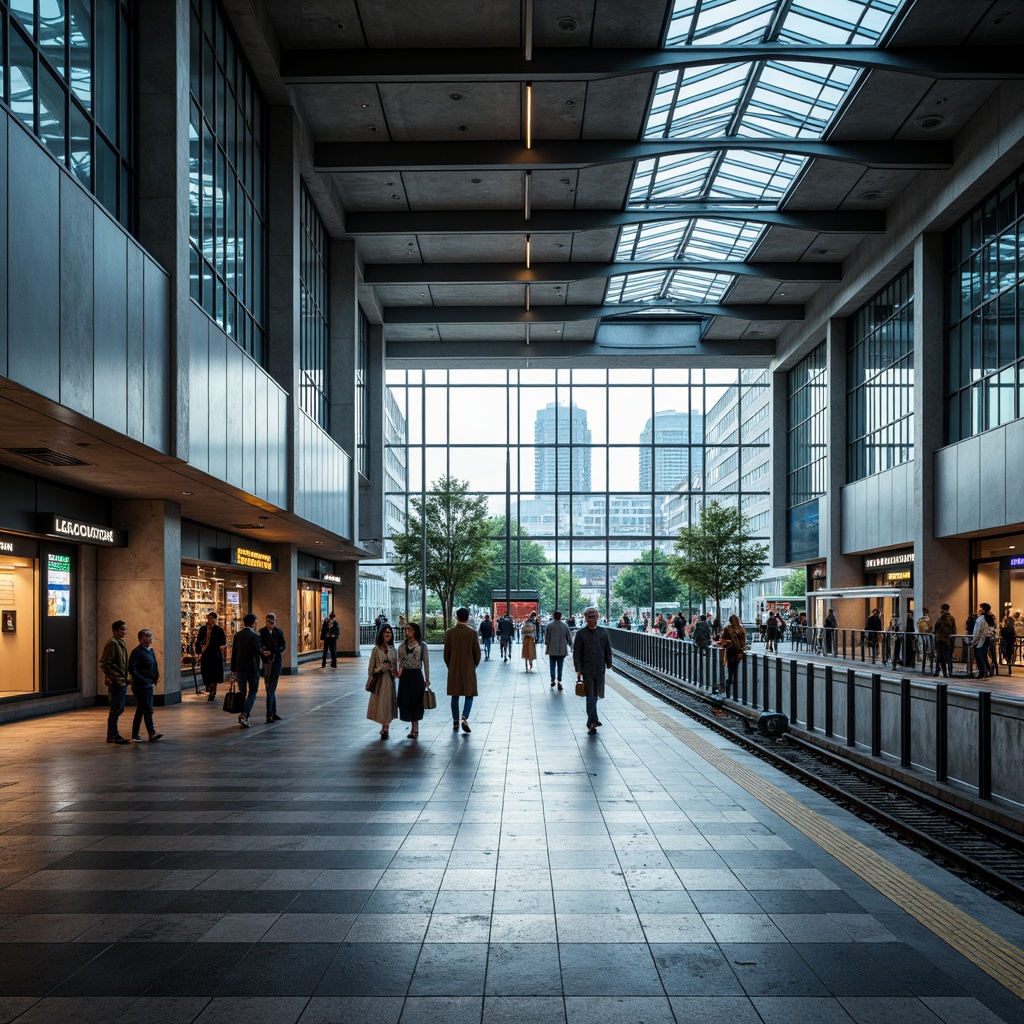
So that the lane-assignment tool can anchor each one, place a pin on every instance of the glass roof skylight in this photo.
(758, 99)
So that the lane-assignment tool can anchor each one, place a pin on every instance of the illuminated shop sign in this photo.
(884, 561)
(330, 577)
(247, 558)
(1017, 562)
(83, 532)
(898, 577)
(58, 585)
(20, 546)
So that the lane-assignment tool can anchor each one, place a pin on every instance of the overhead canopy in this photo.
(864, 592)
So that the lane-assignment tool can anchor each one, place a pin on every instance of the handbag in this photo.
(581, 690)
(234, 700)
(429, 699)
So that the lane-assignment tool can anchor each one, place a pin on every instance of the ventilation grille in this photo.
(47, 456)
(246, 526)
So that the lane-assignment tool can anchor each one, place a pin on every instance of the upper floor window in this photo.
(66, 72)
(314, 325)
(806, 453)
(985, 344)
(362, 395)
(227, 205)
(880, 382)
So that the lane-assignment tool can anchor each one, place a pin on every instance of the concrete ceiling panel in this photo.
(316, 23)
(586, 293)
(883, 101)
(823, 185)
(946, 22)
(558, 109)
(619, 24)
(343, 111)
(617, 107)
(951, 103)
(595, 246)
(478, 295)
(604, 187)
(459, 112)
(563, 23)
(390, 249)
(441, 23)
(783, 244)
(875, 189)
(371, 191)
(482, 333)
(505, 248)
(403, 295)
(464, 190)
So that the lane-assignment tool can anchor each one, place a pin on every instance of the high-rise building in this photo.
(554, 468)
(672, 458)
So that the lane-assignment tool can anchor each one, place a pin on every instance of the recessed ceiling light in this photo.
(455, 95)
(188, 492)
(931, 123)
(476, 181)
(319, 542)
(567, 24)
(372, 129)
(462, 127)
(870, 194)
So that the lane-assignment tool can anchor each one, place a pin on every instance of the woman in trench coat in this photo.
(380, 681)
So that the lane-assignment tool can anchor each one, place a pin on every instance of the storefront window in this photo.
(314, 603)
(998, 573)
(207, 589)
(19, 627)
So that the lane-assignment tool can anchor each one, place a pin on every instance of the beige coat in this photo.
(461, 655)
(383, 704)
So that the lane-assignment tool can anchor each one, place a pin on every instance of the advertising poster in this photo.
(58, 585)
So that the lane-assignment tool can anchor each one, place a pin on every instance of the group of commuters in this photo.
(398, 677)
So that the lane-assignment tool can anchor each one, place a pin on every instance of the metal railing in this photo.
(956, 735)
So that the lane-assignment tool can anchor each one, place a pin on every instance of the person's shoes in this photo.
(455, 725)
(155, 736)
(116, 739)
(384, 734)
(414, 735)
(598, 723)
(560, 686)
(211, 697)
(592, 729)
(275, 718)
(244, 722)
(269, 719)
(465, 726)
(552, 684)
(136, 739)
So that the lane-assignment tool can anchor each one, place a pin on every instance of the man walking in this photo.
(556, 646)
(506, 630)
(246, 659)
(145, 674)
(944, 631)
(591, 655)
(329, 632)
(114, 665)
(273, 645)
(486, 632)
(461, 655)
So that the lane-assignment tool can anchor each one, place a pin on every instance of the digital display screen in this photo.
(58, 585)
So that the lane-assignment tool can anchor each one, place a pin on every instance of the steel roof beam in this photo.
(496, 222)
(555, 154)
(309, 66)
(541, 273)
(411, 315)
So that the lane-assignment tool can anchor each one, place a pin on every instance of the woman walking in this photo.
(380, 681)
(413, 677)
(530, 640)
(734, 646)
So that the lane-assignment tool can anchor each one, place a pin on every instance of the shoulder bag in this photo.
(234, 700)
(429, 699)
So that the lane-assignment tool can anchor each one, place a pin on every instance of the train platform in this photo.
(309, 871)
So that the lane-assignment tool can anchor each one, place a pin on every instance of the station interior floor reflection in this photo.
(309, 871)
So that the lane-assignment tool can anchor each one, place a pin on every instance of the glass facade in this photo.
(314, 323)
(880, 381)
(627, 488)
(67, 73)
(985, 348)
(807, 453)
(227, 223)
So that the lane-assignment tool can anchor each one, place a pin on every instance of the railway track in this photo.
(984, 854)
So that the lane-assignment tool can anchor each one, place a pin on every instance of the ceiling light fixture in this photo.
(526, 195)
(527, 252)
(527, 335)
(529, 115)
(527, 298)
(528, 29)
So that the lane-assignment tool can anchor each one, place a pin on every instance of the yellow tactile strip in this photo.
(982, 946)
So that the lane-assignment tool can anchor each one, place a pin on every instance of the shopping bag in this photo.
(429, 699)
(234, 700)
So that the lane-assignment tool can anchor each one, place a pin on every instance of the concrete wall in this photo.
(979, 484)
(87, 307)
(878, 511)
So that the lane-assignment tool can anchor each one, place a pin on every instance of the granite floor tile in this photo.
(257, 1010)
(370, 969)
(442, 1010)
(280, 968)
(458, 928)
(388, 928)
(325, 927)
(526, 969)
(618, 1010)
(600, 969)
(361, 1009)
(669, 928)
(456, 969)
(743, 928)
(888, 1010)
(624, 927)
(805, 1010)
(715, 1010)
(776, 969)
(695, 969)
(523, 1010)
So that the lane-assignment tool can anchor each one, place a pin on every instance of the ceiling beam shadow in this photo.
(411, 315)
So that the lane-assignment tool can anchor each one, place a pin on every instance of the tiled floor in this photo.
(525, 873)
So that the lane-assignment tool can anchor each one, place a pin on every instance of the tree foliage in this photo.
(633, 584)
(528, 570)
(454, 525)
(570, 591)
(795, 584)
(717, 557)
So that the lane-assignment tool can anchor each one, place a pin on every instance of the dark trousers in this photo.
(143, 695)
(944, 657)
(116, 695)
(248, 686)
(271, 675)
(330, 647)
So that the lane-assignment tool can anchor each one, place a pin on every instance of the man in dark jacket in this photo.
(944, 631)
(329, 633)
(246, 659)
(591, 655)
(273, 645)
(506, 630)
(145, 674)
(114, 665)
(872, 628)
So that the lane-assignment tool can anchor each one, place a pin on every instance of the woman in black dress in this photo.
(210, 644)
(413, 677)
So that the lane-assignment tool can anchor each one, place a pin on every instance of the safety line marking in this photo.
(994, 954)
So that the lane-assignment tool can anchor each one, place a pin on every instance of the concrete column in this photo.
(142, 585)
(940, 566)
(277, 592)
(346, 607)
(344, 339)
(779, 463)
(843, 570)
(371, 486)
(163, 167)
